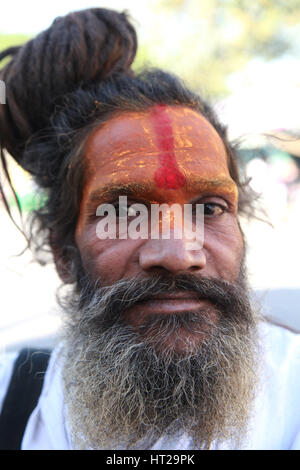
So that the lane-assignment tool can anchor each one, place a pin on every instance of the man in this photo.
(162, 348)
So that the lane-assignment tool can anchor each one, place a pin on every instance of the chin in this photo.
(181, 333)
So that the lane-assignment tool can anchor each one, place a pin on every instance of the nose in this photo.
(171, 255)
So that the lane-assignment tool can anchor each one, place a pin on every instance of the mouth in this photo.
(166, 304)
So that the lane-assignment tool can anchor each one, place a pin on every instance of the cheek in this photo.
(109, 260)
(224, 247)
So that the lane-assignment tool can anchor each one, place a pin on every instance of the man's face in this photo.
(161, 339)
(167, 155)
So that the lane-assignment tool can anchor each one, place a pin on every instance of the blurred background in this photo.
(244, 57)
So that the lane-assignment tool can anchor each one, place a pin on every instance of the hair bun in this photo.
(82, 47)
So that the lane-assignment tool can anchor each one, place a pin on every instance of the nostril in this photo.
(194, 268)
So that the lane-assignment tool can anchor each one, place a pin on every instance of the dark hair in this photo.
(64, 83)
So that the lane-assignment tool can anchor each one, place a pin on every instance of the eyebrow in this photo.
(110, 191)
(196, 183)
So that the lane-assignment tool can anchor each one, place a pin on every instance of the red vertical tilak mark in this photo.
(168, 175)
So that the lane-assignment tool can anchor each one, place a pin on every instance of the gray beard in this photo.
(126, 387)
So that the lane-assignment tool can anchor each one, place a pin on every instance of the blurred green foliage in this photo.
(204, 41)
(28, 202)
(9, 40)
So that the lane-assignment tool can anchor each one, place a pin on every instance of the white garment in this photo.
(275, 423)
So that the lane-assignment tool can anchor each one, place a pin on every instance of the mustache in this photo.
(111, 302)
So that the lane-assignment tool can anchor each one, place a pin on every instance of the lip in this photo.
(174, 296)
(168, 303)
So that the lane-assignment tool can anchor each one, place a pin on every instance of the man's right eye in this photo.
(125, 211)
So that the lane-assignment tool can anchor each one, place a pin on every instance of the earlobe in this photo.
(61, 263)
(62, 270)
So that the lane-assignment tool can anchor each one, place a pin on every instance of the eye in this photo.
(213, 209)
(125, 211)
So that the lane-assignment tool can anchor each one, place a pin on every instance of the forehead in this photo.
(136, 146)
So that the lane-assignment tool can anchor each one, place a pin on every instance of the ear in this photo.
(62, 265)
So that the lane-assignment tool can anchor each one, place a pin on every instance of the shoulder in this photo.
(281, 363)
(281, 344)
(7, 360)
(31, 364)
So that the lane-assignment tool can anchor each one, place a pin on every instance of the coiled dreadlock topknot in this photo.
(81, 48)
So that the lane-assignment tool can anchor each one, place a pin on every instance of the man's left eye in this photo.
(213, 209)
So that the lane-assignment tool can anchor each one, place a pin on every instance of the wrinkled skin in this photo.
(124, 157)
